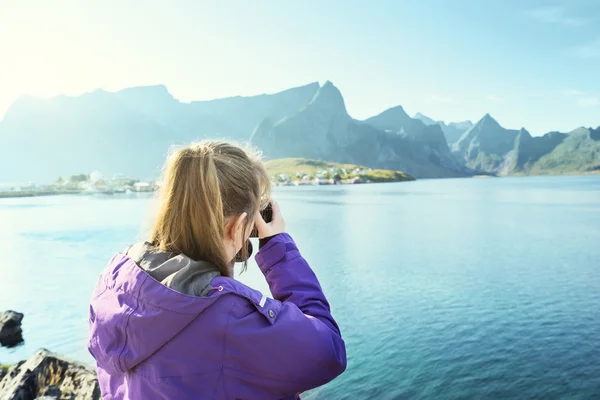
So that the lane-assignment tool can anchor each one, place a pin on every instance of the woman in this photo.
(167, 319)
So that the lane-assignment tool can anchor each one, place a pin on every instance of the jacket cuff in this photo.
(274, 251)
(263, 241)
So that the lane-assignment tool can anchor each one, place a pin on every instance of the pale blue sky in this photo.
(529, 63)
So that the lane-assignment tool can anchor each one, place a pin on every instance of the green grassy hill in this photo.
(578, 152)
(304, 166)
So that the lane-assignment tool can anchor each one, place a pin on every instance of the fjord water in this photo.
(465, 288)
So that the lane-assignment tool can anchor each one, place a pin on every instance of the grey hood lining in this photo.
(176, 271)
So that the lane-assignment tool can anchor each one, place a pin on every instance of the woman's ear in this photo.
(230, 228)
(239, 225)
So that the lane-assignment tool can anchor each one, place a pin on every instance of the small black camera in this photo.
(267, 215)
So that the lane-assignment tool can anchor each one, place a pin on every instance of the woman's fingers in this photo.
(276, 210)
(278, 223)
(260, 224)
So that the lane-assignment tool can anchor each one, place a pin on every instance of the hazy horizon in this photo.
(529, 65)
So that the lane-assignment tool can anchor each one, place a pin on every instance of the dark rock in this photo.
(11, 333)
(48, 375)
(26, 389)
(51, 393)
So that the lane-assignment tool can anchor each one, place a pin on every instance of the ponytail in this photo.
(193, 222)
(203, 184)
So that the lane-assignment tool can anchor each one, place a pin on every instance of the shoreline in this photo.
(33, 193)
(29, 193)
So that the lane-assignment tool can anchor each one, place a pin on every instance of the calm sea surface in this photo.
(467, 288)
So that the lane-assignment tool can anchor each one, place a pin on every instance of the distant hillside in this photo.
(292, 166)
(528, 150)
(396, 120)
(425, 119)
(489, 148)
(323, 130)
(559, 153)
(452, 131)
(485, 146)
(423, 144)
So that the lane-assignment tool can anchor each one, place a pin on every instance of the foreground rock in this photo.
(11, 333)
(49, 376)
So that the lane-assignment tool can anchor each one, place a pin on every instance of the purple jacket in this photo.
(151, 342)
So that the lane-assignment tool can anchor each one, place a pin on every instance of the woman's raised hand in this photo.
(277, 224)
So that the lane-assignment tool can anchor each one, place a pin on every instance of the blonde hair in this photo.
(204, 184)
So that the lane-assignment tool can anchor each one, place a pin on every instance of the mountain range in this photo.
(489, 148)
(127, 132)
(391, 140)
(130, 131)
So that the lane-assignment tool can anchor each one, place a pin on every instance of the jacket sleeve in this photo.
(293, 343)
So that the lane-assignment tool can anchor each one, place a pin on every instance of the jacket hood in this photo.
(177, 271)
(133, 314)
